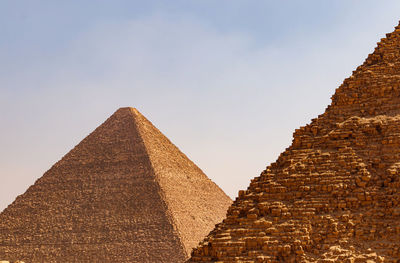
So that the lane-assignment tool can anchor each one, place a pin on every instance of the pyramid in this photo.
(334, 194)
(123, 194)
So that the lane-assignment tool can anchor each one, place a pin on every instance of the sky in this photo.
(226, 81)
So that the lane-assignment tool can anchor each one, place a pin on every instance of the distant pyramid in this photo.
(124, 194)
(334, 195)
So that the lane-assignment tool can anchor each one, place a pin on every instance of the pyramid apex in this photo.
(128, 110)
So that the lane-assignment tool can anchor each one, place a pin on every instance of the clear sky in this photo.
(227, 81)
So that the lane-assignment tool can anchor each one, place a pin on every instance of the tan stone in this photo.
(124, 194)
(333, 195)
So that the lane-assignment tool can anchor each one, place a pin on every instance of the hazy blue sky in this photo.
(227, 81)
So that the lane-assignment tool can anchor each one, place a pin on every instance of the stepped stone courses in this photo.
(124, 194)
(334, 194)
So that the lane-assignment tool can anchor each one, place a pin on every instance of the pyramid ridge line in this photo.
(180, 151)
(161, 191)
(158, 147)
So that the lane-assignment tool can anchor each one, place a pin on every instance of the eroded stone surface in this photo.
(124, 194)
(334, 194)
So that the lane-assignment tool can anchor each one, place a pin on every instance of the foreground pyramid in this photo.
(124, 194)
(334, 194)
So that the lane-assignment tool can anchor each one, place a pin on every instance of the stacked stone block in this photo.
(334, 194)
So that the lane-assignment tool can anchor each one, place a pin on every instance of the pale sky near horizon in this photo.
(226, 81)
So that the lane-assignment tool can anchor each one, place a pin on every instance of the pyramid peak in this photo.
(128, 112)
(127, 109)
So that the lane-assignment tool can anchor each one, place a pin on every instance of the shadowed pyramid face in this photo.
(334, 195)
(124, 194)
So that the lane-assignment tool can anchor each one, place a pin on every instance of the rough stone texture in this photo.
(334, 194)
(124, 194)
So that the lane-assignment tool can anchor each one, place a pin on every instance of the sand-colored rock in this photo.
(124, 194)
(334, 194)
